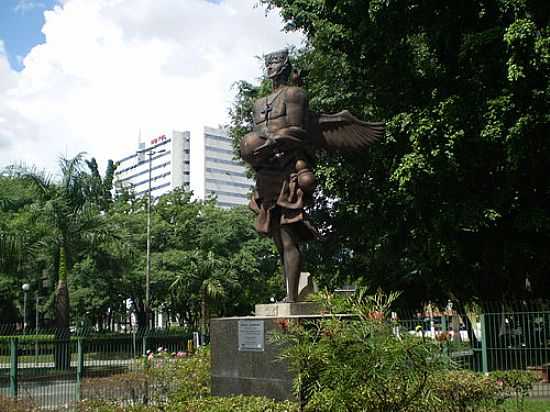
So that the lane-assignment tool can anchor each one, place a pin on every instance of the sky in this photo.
(88, 75)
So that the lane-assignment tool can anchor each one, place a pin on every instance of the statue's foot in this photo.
(289, 300)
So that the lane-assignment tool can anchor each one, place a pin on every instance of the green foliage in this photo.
(130, 387)
(174, 383)
(202, 257)
(16, 405)
(516, 383)
(106, 406)
(462, 391)
(453, 202)
(234, 403)
(358, 363)
(530, 405)
(181, 379)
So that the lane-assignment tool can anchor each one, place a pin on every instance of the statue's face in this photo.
(275, 66)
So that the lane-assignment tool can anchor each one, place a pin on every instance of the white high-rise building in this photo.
(225, 178)
(165, 158)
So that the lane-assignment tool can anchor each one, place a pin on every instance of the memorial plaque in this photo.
(251, 335)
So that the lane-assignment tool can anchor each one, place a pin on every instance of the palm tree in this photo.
(74, 223)
(209, 275)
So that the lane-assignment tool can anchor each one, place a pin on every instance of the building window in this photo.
(225, 172)
(225, 182)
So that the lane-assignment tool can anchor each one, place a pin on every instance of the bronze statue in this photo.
(281, 149)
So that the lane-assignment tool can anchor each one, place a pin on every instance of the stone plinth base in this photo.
(287, 309)
(238, 372)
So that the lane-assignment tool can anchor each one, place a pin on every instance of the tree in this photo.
(19, 235)
(214, 260)
(209, 275)
(454, 201)
(74, 226)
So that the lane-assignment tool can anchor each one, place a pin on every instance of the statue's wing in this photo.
(343, 132)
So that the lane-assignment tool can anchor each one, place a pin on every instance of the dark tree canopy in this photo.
(455, 201)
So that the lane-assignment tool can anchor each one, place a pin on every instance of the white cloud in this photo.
(110, 67)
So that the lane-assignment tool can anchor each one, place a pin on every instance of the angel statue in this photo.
(281, 149)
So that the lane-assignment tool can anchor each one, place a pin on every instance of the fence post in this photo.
(79, 367)
(144, 348)
(13, 367)
(484, 344)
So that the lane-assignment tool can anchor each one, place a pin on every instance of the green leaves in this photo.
(457, 188)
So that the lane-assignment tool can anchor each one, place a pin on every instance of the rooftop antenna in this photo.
(141, 146)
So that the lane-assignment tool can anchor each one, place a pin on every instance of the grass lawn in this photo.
(530, 405)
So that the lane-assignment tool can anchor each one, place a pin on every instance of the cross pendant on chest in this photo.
(266, 110)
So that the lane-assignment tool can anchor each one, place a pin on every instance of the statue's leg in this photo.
(292, 261)
(276, 235)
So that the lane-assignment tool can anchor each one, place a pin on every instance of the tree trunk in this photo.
(62, 351)
(204, 316)
(461, 310)
(141, 315)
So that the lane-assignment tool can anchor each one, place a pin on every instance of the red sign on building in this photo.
(159, 139)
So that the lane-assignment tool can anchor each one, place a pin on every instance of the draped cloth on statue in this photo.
(278, 196)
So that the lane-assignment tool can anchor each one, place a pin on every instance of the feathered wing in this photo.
(343, 132)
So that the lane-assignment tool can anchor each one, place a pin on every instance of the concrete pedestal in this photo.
(287, 309)
(243, 368)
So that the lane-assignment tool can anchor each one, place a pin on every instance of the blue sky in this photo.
(108, 69)
(21, 22)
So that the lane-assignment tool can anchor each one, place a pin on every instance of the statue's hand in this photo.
(266, 150)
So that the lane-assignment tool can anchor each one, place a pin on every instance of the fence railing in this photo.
(53, 369)
(504, 341)
(49, 370)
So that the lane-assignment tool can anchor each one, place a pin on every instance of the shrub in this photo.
(180, 378)
(233, 403)
(358, 364)
(16, 405)
(461, 391)
(516, 383)
(165, 378)
(111, 406)
(130, 387)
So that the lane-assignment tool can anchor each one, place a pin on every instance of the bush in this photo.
(165, 378)
(516, 384)
(180, 378)
(359, 364)
(461, 391)
(233, 403)
(16, 405)
(110, 406)
(130, 387)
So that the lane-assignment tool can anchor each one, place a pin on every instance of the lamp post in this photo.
(150, 153)
(26, 287)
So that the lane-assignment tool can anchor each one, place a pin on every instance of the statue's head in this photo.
(277, 64)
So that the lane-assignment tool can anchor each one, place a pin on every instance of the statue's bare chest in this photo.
(270, 107)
